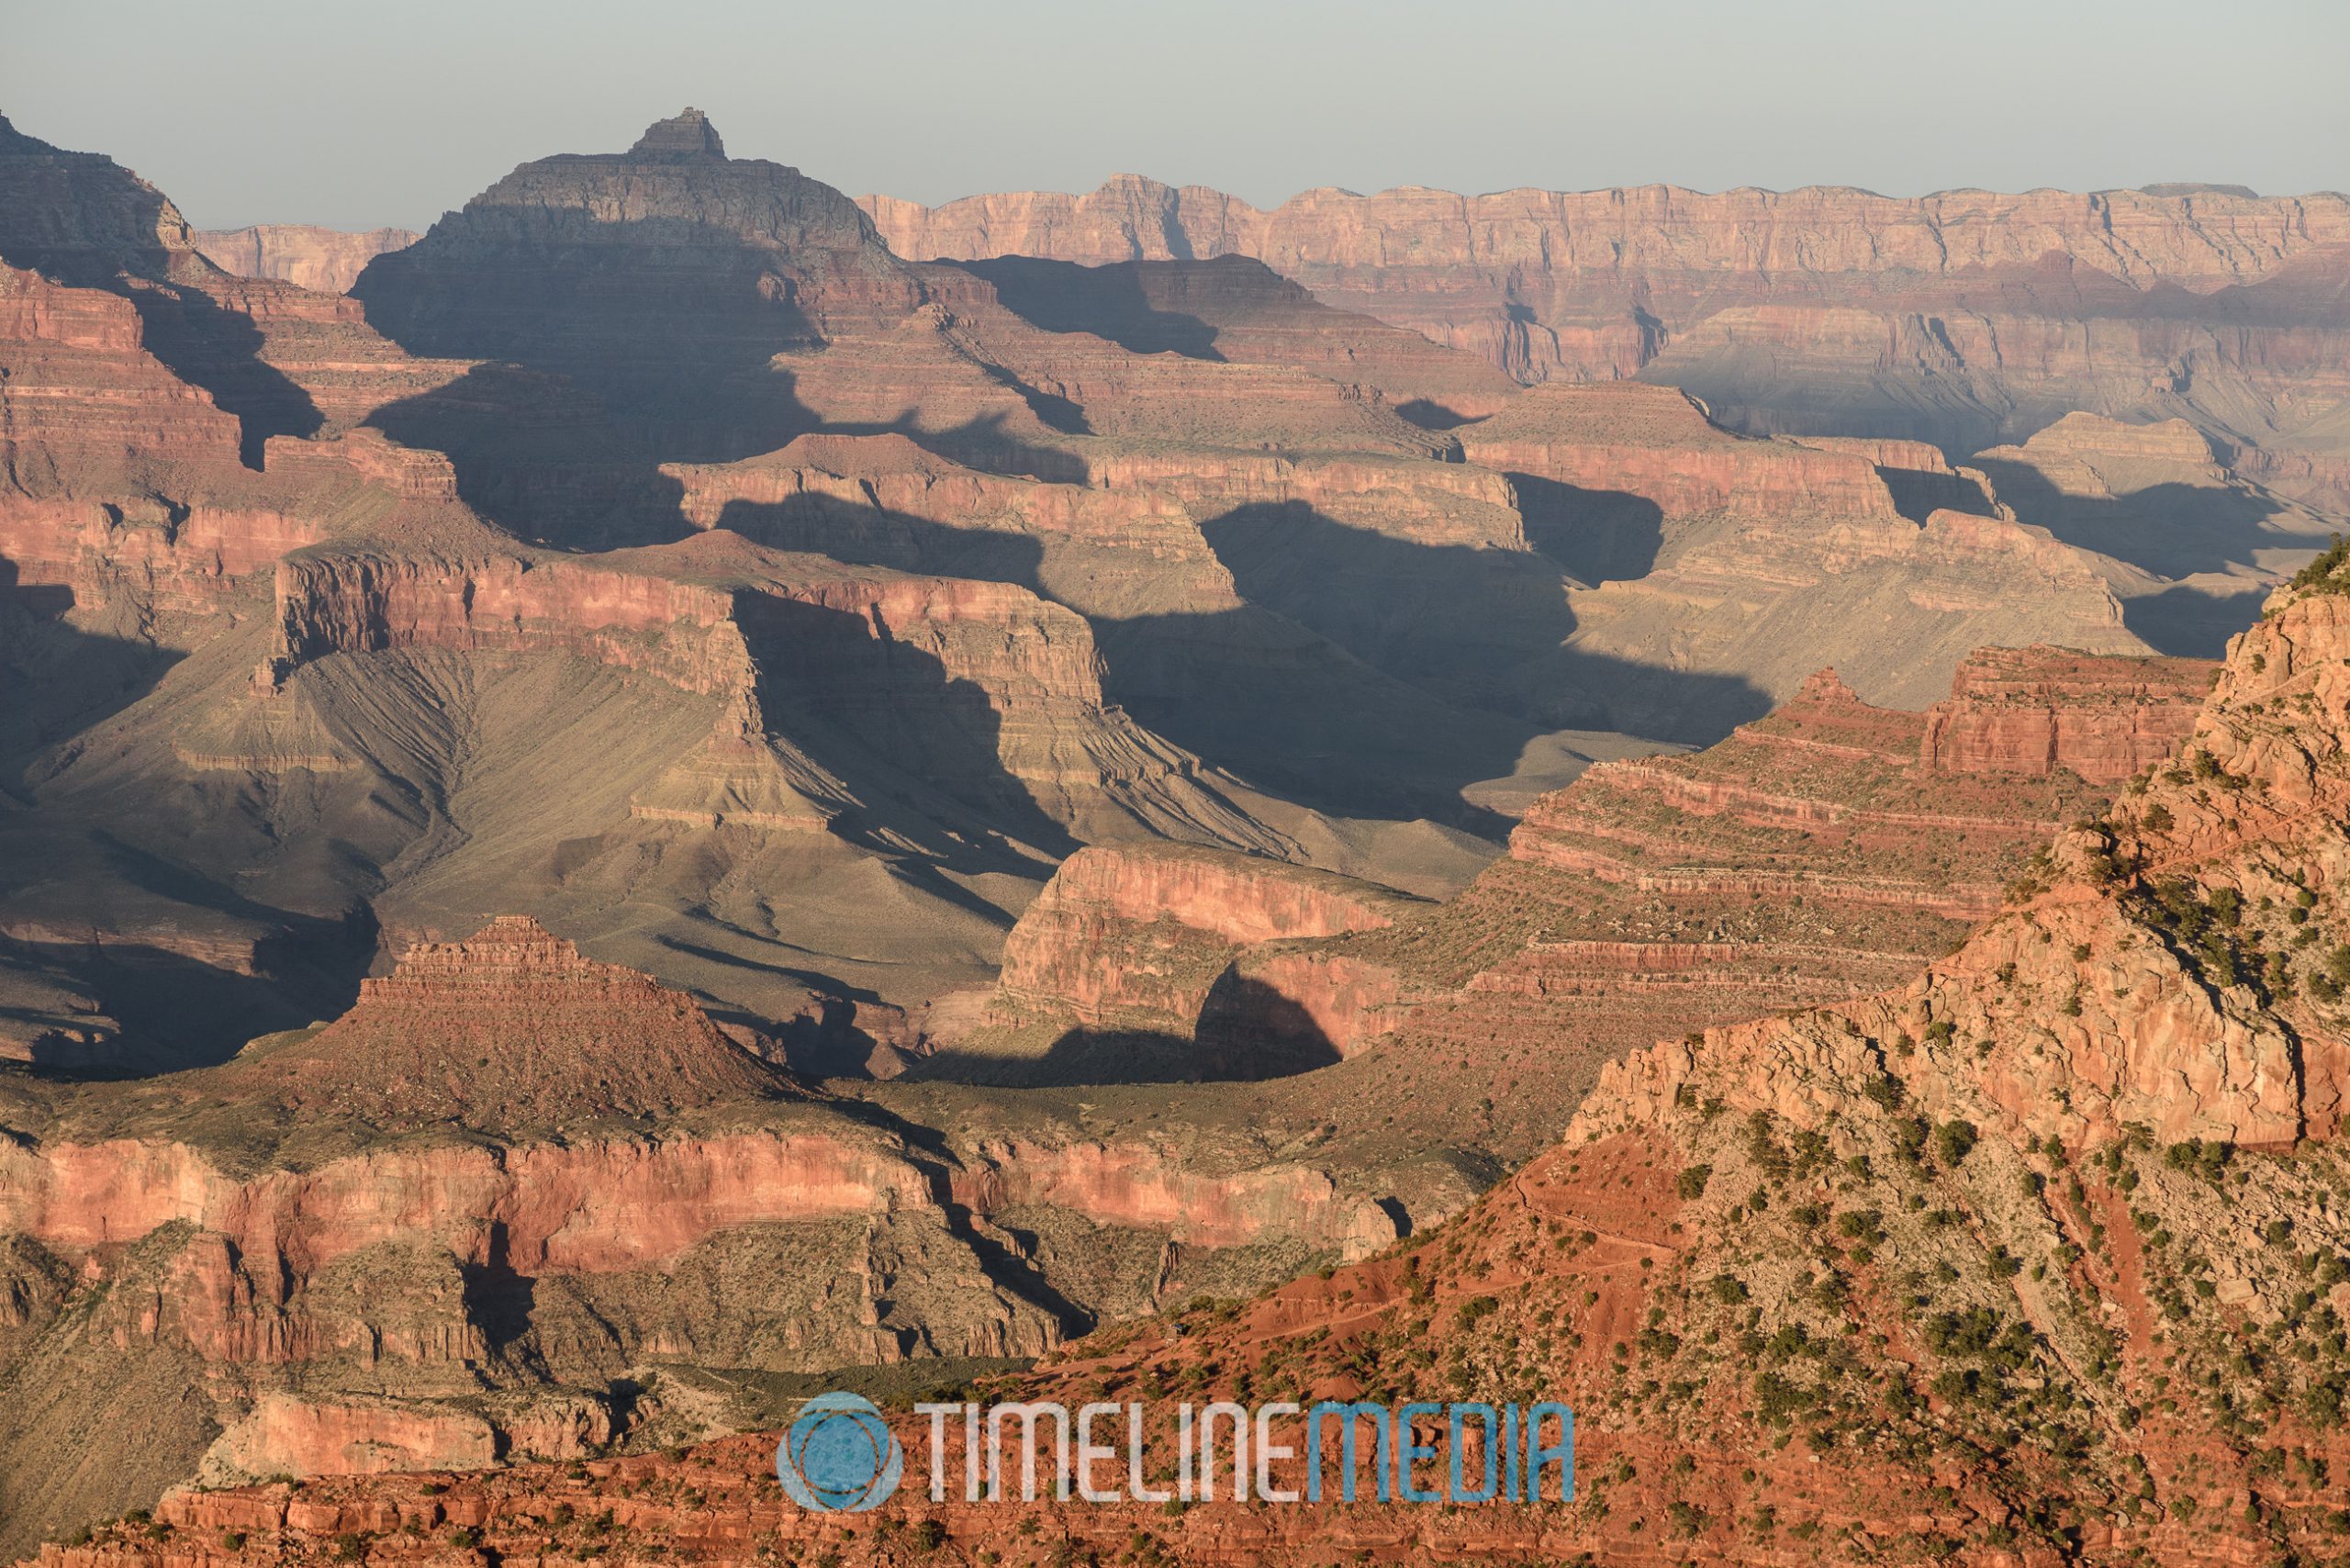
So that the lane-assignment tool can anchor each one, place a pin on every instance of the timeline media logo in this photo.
(840, 1456)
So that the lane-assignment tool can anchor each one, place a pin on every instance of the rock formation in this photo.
(1824, 850)
(1129, 951)
(1962, 318)
(1233, 309)
(2039, 710)
(327, 260)
(2160, 495)
(1757, 560)
(82, 216)
(510, 1028)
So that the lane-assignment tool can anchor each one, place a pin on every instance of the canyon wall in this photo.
(327, 260)
(2210, 239)
(2038, 710)
(1963, 319)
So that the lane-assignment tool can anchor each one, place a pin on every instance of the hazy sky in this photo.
(391, 112)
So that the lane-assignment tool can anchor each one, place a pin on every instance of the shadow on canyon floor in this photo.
(1918, 495)
(1423, 668)
(57, 680)
(1107, 301)
(2170, 529)
(1599, 536)
(177, 1012)
(2192, 622)
(219, 350)
(939, 733)
(866, 534)
(181, 323)
(1248, 1032)
(547, 462)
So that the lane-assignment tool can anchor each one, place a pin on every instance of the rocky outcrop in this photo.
(1658, 444)
(2173, 1018)
(2159, 495)
(664, 279)
(749, 218)
(510, 1028)
(1829, 769)
(1141, 938)
(2038, 710)
(1102, 549)
(1139, 1187)
(1237, 899)
(327, 260)
(1712, 553)
(2086, 454)
(81, 217)
(285, 1435)
(342, 601)
(85, 398)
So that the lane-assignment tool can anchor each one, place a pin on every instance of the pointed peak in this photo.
(687, 134)
(1825, 686)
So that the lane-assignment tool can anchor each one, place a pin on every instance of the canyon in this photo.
(2034, 1256)
(684, 790)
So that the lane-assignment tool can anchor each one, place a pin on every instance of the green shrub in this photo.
(2318, 574)
(1778, 1400)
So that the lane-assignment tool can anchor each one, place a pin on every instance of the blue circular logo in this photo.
(840, 1456)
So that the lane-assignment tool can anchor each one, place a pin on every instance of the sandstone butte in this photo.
(2035, 1258)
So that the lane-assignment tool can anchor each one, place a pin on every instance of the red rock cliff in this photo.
(2035, 710)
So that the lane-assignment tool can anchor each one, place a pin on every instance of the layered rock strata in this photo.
(2029, 1277)
(326, 260)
